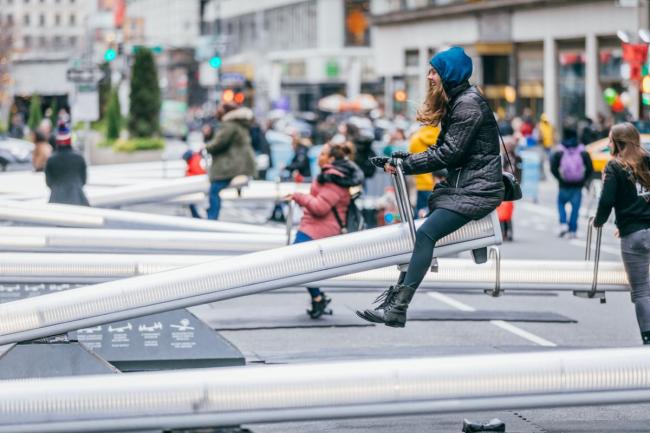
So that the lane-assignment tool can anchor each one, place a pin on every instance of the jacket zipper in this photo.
(458, 178)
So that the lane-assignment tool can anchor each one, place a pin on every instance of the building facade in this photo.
(552, 56)
(47, 34)
(292, 52)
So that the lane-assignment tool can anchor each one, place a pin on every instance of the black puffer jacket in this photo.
(468, 147)
(352, 174)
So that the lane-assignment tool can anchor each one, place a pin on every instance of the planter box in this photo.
(105, 156)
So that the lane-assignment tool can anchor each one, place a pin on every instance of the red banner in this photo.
(119, 11)
(635, 55)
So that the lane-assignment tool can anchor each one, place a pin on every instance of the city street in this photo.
(177, 177)
(273, 328)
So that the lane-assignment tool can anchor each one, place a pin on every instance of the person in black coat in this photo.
(626, 189)
(299, 169)
(65, 171)
(468, 147)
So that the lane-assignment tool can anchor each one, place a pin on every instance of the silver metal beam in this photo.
(237, 276)
(551, 275)
(149, 241)
(88, 217)
(281, 393)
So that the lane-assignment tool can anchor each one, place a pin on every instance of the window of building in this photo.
(42, 42)
(10, 19)
(56, 42)
(411, 58)
(26, 1)
(73, 19)
(72, 41)
(41, 20)
(496, 70)
(572, 83)
(27, 41)
(57, 20)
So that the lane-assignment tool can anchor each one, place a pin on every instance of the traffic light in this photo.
(215, 61)
(110, 54)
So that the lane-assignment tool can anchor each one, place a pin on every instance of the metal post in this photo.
(495, 254)
(289, 224)
(402, 194)
(593, 291)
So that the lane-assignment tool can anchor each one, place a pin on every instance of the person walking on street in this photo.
(232, 153)
(325, 205)
(65, 171)
(420, 141)
(42, 151)
(299, 169)
(626, 188)
(468, 147)
(572, 167)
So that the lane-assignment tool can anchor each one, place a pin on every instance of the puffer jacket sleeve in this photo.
(464, 122)
(322, 203)
(222, 139)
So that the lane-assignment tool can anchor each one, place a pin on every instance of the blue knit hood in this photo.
(453, 66)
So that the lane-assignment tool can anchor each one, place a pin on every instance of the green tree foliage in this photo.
(113, 116)
(104, 87)
(35, 113)
(54, 106)
(144, 96)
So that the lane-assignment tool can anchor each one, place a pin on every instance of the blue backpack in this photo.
(572, 166)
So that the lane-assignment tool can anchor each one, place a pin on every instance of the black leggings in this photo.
(438, 224)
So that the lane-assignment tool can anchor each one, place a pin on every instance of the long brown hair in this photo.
(629, 152)
(434, 107)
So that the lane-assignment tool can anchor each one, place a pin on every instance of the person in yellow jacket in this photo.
(420, 141)
(546, 132)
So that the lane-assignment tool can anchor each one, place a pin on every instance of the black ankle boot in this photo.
(645, 336)
(318, 308)
(392, 311)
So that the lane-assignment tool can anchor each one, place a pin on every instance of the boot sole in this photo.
(368, 318)
(373, 319)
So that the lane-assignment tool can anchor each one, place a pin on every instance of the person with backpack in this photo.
(626, 188)
(468, 147)
(325, 207)
(572, 167)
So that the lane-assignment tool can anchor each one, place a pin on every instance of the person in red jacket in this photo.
(329, 193)
(194, 161)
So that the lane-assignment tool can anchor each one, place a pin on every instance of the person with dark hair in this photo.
(231, 150)
(328, 197)
(299, 169)
(42, 151)
(626, 188)
(262, 149)
(468, 147)
(65, 171)
(572, 167)
(362, 149)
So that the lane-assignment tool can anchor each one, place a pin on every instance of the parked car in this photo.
(14, 151)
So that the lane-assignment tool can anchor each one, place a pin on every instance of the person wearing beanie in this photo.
(572, 167)
(65, 171)
(468, 147)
